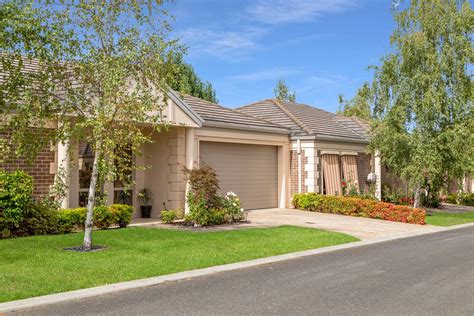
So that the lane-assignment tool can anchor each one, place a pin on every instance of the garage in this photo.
(250, 171)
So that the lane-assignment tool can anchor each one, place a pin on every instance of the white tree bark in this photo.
(416, 202)
(89, 223)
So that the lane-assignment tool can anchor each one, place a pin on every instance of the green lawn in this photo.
(449, 219)
(35, 266)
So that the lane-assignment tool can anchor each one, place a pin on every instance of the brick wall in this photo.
(364, 167)
(39, 169)
(294, 172)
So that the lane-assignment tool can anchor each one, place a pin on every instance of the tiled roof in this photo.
(307, 120)
(215, 113)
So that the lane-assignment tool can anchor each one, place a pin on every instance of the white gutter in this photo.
(298, 143)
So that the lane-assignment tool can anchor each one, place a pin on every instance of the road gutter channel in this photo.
(38, 301)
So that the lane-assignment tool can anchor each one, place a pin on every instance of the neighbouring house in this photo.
(325, 148)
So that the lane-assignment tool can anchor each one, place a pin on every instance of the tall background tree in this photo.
(282, 92)
(97, 70)
(359, 106)
(184, 79)
(423, 114)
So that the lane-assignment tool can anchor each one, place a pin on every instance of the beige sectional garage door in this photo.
(251, 171)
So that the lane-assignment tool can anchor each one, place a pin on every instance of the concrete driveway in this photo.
(363, 228)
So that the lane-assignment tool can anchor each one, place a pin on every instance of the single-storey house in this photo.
(325, 148)
(264, 152)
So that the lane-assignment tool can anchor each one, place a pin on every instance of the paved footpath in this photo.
(426, 275)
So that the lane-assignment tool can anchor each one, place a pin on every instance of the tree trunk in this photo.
(416, 202)
(87, 244)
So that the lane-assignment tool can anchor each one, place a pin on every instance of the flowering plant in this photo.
(233, 207)
(344, 186)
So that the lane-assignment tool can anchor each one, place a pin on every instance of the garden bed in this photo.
(354, 206)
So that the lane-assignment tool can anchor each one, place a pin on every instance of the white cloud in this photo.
(283, 11)
(230, 45)
(267, 74)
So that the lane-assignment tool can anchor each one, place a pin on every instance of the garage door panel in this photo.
(251, 171)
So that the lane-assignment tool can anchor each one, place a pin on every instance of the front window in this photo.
(124, 175)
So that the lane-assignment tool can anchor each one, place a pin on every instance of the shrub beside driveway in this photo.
(34, 266)
(355, 206)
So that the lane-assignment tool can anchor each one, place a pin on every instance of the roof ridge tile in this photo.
(293, 117)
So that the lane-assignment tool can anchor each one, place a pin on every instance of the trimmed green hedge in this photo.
(461, 199)
(21, 216)
(354, 206)
(104, 216)
(39, 220)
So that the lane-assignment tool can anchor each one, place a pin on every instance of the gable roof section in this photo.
(186, 108)
(215, 115)
(306, 120)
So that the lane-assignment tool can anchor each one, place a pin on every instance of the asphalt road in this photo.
(426, 275)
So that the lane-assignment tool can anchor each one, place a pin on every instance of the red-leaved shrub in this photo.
(354, 206)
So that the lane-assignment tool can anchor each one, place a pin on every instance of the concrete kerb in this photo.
(129, 285)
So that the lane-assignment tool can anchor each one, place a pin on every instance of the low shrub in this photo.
(461, 199)
(103, 217)
(16, 189)
(430, 200)
(206, 205)
(232, 208)
(354, 206)
(41, 220)
(74, 216)
(123, 214)
(167, 217)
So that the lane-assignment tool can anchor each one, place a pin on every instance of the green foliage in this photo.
(206, 205)
(38, 219)
(282, 92)
(96, 68)
(167, 217)
(204, 184)
(431, 199)
(74, 216)
(395, 196)
(103, 217)
(423, 113)
(41, 220)
(461, 199)
(307, 201)
(232, 208)
(354, 206)
(201, 213)
(359, 106)
(123, 214)
(16, 189)
(184, 79)
(145, 197)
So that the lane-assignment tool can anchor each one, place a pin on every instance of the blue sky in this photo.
(322, 48)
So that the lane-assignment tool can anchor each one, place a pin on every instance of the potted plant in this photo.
(145, 199)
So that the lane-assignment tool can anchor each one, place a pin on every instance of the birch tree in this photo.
(424, 120)
(99, 71)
